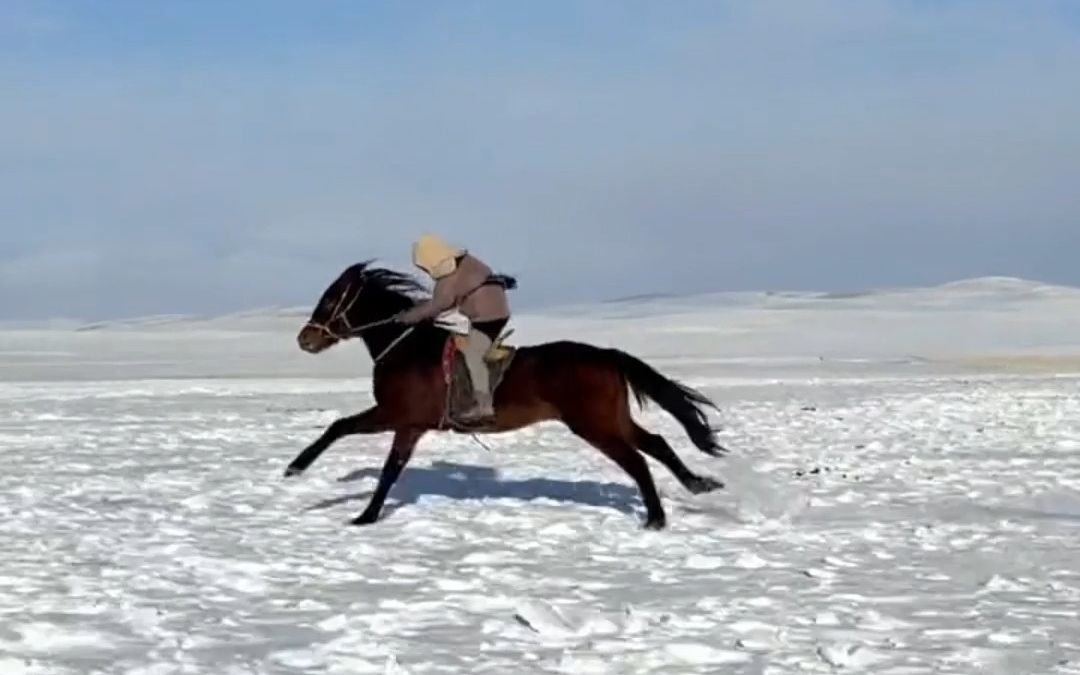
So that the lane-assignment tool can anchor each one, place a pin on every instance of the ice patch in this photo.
(846, 656)
(998, 583)
(696, 653)
(703, 562)
(10, 666)
(46, 638)
(817, 573)
(569, 623)
(586, 664)
(750, 561)
(544, 619)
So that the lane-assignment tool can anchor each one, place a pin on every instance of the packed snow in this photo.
(902, 496)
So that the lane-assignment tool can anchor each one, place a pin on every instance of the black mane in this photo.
(390, 282)
(384, 293)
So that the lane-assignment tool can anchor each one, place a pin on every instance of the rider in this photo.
(464, 281)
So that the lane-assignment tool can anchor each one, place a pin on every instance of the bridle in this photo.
(341, 313)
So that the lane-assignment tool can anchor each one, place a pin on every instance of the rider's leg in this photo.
(476, 348)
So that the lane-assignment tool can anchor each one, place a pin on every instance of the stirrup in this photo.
(475, 419)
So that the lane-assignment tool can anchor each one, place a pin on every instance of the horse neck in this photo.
(380, 338)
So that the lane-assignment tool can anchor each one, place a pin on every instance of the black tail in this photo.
(682, 402)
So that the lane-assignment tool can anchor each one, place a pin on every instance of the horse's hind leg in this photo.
(627, 457)
(656, 447)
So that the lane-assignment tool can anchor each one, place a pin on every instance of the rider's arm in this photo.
(442, 299)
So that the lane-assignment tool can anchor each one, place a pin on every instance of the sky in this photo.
(207, 157)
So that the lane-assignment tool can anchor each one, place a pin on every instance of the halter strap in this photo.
(341, 313)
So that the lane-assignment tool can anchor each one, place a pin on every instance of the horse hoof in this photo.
(704, 484)
(363, 519)
(656, 523)
(293, 471)
(717, 450)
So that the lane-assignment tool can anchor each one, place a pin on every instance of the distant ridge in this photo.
(998, 284)
(255, 315)
(641, 297)
(1005, 286)
(986, 289)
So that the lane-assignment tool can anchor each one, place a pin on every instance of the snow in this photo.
(903, 496)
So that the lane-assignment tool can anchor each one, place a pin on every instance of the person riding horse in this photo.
(585, 387)
(465, 282)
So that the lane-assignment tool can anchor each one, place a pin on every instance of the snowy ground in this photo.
(887, 510)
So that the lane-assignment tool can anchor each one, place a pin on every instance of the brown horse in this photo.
(580, 385)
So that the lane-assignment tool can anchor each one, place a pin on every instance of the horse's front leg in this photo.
(367, 422)
(400, 452)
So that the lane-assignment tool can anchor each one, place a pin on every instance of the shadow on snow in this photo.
(470, 482)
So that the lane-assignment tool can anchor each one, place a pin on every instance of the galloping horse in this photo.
(581, 385)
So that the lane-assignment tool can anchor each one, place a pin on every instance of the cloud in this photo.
(594, 151)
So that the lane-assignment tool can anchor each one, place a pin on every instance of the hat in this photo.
(433, 255)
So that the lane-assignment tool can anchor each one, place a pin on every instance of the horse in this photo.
(583, 386)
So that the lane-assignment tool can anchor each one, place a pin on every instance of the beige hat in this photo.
(435, 256)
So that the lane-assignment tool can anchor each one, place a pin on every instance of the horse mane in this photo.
(390, 282)
(387, 292)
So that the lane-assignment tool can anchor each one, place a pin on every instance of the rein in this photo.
(404, 334)
(341, 313)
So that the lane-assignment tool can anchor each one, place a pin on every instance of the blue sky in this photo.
(214, 156)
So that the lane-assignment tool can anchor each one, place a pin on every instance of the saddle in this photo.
(459, 389)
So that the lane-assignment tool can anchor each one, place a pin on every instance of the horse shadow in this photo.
(467, 482)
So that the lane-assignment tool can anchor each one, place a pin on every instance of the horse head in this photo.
(359, 296)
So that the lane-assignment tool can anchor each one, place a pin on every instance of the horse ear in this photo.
(360, 267)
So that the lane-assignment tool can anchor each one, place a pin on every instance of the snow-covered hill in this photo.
(988, 323)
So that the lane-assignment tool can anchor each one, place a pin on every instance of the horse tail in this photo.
(680, 401)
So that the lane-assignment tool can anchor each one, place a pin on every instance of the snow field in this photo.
(889, 525)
